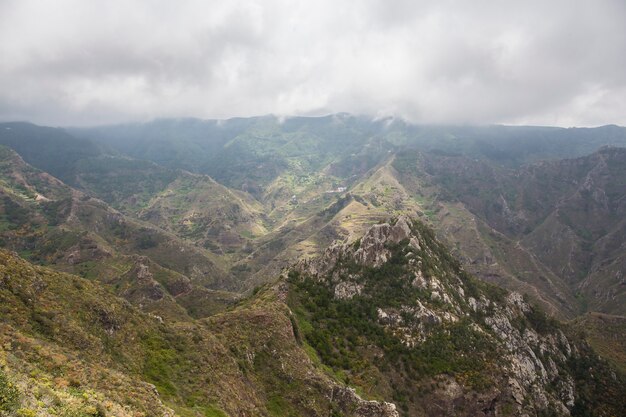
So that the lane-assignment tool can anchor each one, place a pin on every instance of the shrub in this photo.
(26, 412)
(9, 395)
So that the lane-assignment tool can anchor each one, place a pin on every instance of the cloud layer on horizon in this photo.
(73, 62)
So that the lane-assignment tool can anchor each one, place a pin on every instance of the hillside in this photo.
(52, 150)
(607, 335)
(223, 148)
(395, 315)
(244, 154)
(392, 315)
(460, 179)
(50, 223)
(567, 215)
(498, 215)
(70, 347)
(193, 207)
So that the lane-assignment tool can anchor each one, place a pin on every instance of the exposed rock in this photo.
(372, 250)
(532, 364)
(419, 281)
(347, 399)
(347, 290)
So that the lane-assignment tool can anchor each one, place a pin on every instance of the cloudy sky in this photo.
(78, 62)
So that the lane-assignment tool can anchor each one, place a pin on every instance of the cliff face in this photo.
(395, 314)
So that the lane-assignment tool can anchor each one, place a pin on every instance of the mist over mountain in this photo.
(312, 209)
(71, 63)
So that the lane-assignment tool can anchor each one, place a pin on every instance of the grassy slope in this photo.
(70, 347)
(607, 335)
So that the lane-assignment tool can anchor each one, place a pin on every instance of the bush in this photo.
(9, 395)
(26, 412)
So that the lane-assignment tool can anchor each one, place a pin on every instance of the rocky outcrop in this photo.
(371, 250)
(531, 373)
(84, 251)
(347, 289)
(347, 399)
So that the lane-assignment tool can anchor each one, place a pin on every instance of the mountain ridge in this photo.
(263, 357)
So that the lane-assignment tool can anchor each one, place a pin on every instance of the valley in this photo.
(228, 267)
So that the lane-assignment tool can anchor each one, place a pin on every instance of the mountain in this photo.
(276, 177)
(568, 215)
(192, 206)
(187, 248)
(51, 223)
(209, 217)
(457, 177)
(252, 154)
(52, 150)
(391, 316)
(70, 347)
(394, 313)
(281, 189)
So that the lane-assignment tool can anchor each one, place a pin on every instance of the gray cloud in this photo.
(534, 62)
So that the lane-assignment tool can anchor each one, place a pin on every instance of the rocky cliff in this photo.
(395, 314)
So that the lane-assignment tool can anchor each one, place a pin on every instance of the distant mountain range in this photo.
(193, 222)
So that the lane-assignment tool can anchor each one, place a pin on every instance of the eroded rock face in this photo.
(372, 248)
(347, 399)
(347, 289)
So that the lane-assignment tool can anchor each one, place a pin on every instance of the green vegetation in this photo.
(341, 331)
(181, 238)
(606, 334)
(158, 365)
(9, 395)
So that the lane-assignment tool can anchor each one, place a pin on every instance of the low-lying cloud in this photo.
(76, 62)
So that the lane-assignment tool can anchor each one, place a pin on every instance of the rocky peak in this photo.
(371, 250)
(400, 280)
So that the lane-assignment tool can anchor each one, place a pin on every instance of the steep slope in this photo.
(517, 226)
(394, 314)
(193, 207)
(391, 314)
(50, 149)
(197, 208)
(70, 347)
(223, 148)
(471, 187)
(51, 223)
(485, 252)
(607, 335)
(245, 154)
(224, 225)
(394, 187)
(567, 215)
